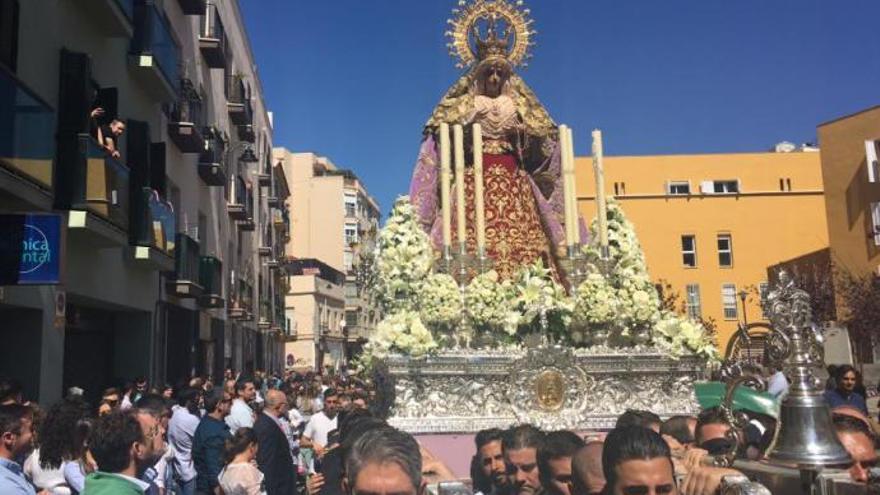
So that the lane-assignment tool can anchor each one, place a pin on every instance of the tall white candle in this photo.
(445, 178)
(460, 207)
(477, 130)
(599, 171)
(566, 185)
(572, 200)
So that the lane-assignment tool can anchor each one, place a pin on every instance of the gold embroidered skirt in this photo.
(515, 236)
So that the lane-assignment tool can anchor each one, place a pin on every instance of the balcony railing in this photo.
(186, 120)
(155, 50)
(238, 196)
(156, 225)
(212, 38)
(212, 160)
(248, 224)
(238, 100)
(265, 315)
(101, 184)
(246, 133)
(187, 268)
(241, 305)
(27, 132)
(211, 276)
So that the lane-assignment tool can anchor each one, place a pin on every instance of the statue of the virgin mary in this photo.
(523, 193)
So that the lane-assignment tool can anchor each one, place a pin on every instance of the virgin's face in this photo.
(494, 77)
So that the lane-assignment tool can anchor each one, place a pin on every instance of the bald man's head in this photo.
(586, 470)
(276, 402)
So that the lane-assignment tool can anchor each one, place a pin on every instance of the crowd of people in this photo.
(316, 435)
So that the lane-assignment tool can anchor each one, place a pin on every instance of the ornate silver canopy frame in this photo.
(550, 386)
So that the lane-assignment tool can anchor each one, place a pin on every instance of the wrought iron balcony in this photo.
(238, 100)
(241, 303)
(236, 310)
(186, 280)
(114, 18)
(153, 230)
(247, 134)
(99, 184)
(247, 225)
(264, 179)
(212, 159)
(192, 7)
(27, 132)
(265, 316)
(211, 276)
(212, 38)
(186, 120)
(155, 53)
(264, 251)
(236, 206)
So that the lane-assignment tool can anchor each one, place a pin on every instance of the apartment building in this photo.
(333, 221)
(710, 225)
(162, 249)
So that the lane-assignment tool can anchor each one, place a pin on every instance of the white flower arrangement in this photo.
(403, 259)
(536, 293)
(677, 336)
(596, 302)
(402, 332)
(488, 303)
(424, 309)
(440, 301)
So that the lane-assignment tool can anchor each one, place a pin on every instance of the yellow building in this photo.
(850, 147)
(711, 224)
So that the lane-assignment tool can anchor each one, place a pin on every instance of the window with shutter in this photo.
(875, 223)
(678, 188)
(707, 187)
(694, 310)
(689, 251)
(725, 250)
(728, 301)
(871, 160)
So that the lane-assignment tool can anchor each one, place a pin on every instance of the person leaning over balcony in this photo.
(107, 135)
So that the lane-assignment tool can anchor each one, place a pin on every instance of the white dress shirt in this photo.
(240, 416)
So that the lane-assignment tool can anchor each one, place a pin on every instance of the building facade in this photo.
(710, 225)
(334, 220)
(850, 171)
(165, 246)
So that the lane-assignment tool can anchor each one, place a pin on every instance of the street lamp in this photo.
(743, 294)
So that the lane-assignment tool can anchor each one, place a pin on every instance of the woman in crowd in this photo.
(61, 442)
(241, 476)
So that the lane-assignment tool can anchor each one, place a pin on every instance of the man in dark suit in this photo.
(273, 455)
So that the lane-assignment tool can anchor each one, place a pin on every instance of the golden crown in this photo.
(507, 30)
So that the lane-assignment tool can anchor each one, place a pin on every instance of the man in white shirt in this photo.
(778, 385)
(321, 424)
(181, 429)
(241, 415)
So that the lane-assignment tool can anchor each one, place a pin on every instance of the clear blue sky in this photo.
(355, 80)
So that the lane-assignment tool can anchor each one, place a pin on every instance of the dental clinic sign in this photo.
(30, 249)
